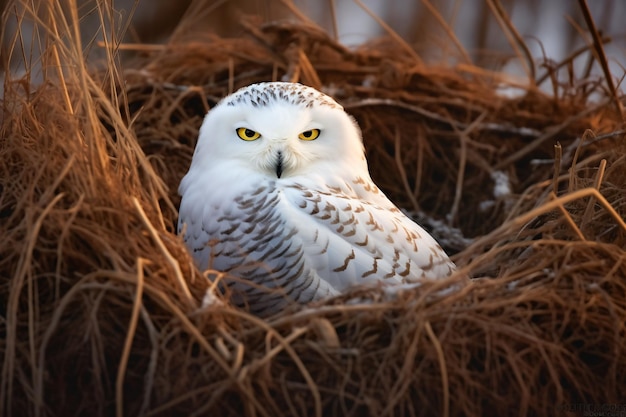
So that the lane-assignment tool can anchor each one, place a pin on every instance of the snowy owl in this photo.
(279, 195)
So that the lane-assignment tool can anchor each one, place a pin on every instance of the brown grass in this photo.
(101, 300)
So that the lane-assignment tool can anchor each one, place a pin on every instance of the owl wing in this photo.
(360, 237)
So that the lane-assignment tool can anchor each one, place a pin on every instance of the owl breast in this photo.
(257, 238)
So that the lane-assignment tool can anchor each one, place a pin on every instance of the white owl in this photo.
(279, 196)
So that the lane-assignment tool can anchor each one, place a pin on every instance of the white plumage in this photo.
(279, 195)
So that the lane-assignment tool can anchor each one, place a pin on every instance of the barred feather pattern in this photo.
(291, 242)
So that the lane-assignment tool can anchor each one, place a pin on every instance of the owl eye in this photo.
(309, 134)
(247, 134)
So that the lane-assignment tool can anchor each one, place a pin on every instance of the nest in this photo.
(102, 302)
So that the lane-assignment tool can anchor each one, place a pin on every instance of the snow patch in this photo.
(502, 187)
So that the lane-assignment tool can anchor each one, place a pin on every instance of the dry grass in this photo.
(100, 298)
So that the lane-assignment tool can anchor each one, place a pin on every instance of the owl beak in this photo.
(279, 164)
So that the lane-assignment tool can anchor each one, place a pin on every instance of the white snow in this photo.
(502, 186)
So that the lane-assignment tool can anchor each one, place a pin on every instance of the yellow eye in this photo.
(309, 134)
(247, 134)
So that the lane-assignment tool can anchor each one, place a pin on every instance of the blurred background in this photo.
(441, 31)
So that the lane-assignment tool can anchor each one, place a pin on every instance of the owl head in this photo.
(280, 130)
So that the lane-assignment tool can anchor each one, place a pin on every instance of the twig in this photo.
(463, 138)
(400, 165)
(197, 11)
(171, 260)
(57, 59)
(22, 275)
(231, 75)
(333, 18)
(601, 55)
(420, 150)
(558, 155)
(152, 364)
(569, 220)
(289, 4)
(392, 33)
(572, 183)
(130, 335)
(596, 184)
(308, 70)
(442, 368)
(509, 29)
(446, 27)
(403, 375)
(129, 46)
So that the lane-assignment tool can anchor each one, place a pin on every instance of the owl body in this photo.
(279, 196)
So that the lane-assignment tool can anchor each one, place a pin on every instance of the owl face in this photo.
(280, 130)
